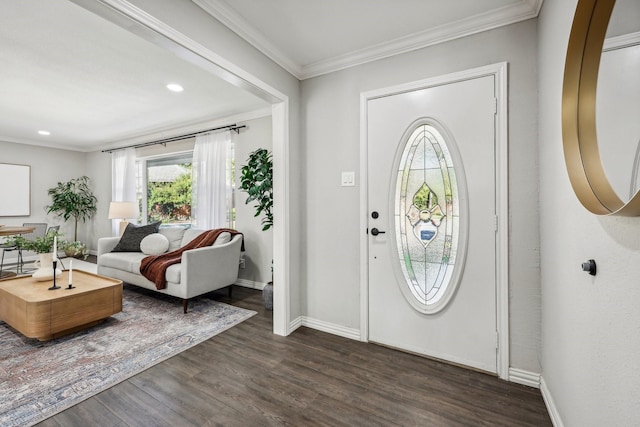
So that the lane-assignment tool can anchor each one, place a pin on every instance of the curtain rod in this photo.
(164, 141)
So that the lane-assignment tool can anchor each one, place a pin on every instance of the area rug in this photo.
(40, 379)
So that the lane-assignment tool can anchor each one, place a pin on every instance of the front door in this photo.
(432, 221)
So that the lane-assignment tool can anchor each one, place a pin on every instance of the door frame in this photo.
(499, 72)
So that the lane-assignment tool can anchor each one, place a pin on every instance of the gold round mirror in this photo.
(580, 140)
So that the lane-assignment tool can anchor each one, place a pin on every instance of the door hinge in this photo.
(497, 340)
(495, 105)
(495, 224)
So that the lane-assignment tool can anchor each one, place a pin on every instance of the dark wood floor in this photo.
(247, 376)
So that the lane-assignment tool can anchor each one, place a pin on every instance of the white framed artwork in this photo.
(15, 190)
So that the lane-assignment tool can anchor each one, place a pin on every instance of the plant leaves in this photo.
(257, 181)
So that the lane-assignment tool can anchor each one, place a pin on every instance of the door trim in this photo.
(499, 72)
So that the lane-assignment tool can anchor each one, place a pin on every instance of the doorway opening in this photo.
(133, 19)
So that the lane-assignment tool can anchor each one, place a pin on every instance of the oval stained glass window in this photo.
(427, 207)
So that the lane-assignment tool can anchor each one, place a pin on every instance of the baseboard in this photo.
(327, 327)
(551, 406)
(523, 377)
(295, 324)
(250, 284)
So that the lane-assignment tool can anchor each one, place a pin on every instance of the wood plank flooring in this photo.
(247, 376)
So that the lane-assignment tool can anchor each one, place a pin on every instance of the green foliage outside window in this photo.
(170, 202)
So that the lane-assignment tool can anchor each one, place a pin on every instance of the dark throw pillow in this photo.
(133, 235)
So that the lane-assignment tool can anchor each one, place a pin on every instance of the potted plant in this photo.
(256, 178)
(39, 245)
(73, 199)
(76, 249)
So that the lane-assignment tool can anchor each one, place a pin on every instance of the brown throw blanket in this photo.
(154, 267)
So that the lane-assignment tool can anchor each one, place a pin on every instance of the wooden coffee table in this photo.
(36, 312)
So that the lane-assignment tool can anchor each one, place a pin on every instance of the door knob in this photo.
(375, 231)
(589, 266)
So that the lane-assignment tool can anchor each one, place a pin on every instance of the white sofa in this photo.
(202, 270)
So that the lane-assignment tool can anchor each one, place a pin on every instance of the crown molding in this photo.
(525, 9)
(236, 23)
(621, 42)
(46, 144)
(521, 11)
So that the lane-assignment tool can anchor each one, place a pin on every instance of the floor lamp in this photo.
(123, 211)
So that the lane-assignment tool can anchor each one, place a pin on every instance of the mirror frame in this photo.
(580, 141)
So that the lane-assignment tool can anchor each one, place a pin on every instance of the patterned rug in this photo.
(40, 379)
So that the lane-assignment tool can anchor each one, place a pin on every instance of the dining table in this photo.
(12, 230)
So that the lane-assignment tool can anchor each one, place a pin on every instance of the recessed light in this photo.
(175, 87)
(44, 132)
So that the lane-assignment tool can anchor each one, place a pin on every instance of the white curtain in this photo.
(123, 180)
(212, 185)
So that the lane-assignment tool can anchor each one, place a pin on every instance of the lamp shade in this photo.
(123, 210)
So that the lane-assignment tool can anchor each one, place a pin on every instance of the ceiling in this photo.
(91, 83)
(94, 85)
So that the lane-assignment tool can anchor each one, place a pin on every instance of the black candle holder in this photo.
(70, 272)
(55, 265)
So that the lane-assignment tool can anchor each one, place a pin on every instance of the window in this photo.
(164, 190)
(427, 217)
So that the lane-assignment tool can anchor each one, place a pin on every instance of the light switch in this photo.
(348, 179)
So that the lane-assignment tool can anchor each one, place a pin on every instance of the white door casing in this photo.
(473, 340)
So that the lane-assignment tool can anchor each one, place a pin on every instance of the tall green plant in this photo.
(256, 178)
(73, 199)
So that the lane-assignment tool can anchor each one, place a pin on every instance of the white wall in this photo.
(258, 243)
(48, 167)
(330, 111)
(99, 169)
(590, 325)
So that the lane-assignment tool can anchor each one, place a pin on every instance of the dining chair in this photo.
(6, 247)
